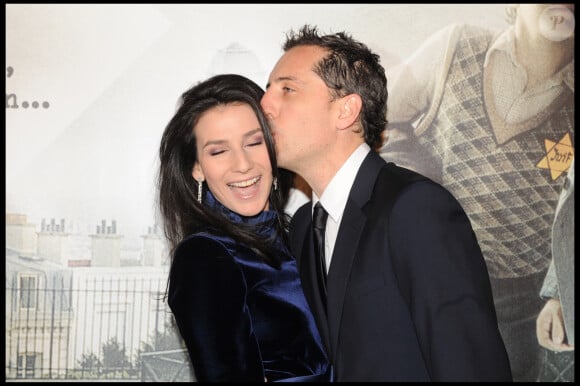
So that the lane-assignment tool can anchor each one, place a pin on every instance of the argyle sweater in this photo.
(510, 200)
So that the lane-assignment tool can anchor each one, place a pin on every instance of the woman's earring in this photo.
(275, 183)
(199, 190)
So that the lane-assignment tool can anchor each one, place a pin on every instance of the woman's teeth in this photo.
(245, 184)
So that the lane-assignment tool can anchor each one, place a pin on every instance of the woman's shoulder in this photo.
(201, 264)
(202, 249)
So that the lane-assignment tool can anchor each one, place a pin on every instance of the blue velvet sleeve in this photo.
(207, 295)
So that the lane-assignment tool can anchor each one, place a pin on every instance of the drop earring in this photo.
(275, 183)
(199, 190)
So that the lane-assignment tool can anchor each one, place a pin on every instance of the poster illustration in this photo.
(481, 99)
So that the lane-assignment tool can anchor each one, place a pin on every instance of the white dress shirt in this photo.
(335, 196)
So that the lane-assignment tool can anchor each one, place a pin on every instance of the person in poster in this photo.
(490, 115)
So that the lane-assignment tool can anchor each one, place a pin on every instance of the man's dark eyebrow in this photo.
(281, 79)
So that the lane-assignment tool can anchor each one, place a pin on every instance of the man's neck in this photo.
(319, 173)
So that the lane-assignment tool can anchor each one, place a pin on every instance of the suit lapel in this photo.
(347, 241)
(353, 222)
(311, 272)
(303, 243)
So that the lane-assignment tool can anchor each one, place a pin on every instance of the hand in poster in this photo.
(550, 327)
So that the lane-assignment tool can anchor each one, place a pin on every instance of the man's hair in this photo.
(350, 68)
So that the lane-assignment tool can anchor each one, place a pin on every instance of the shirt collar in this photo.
(505, 43)
(336, 193)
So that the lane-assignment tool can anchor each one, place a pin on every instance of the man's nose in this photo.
(266, 104)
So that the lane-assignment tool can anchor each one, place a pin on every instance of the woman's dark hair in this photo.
(350, 68)
(181, 212)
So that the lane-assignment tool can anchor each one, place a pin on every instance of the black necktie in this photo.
(318, 225)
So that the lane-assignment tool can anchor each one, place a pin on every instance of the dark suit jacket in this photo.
(409, 297)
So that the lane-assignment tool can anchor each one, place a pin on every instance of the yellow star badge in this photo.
(558, 157)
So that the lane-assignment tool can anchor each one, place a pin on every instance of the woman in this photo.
(234, 288)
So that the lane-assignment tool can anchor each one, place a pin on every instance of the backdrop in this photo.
(90, 88)
(107, 78)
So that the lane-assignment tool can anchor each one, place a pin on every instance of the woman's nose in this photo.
(243, 162)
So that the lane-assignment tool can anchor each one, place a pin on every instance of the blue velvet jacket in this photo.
(241, 319)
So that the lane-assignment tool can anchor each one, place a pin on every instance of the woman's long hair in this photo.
(177, 190)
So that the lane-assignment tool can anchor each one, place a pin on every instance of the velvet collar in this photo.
(263, 222)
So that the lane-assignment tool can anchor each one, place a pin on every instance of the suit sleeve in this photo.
(444, 278)
(207, 295)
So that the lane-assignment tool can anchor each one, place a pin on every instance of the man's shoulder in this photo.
(392, 173)
(407, 188)
(394, 182)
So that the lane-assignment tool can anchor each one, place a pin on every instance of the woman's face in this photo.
(233, 158)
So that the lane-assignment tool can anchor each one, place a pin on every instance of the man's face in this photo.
(299, 109)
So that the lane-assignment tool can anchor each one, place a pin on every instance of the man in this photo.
(407, 296)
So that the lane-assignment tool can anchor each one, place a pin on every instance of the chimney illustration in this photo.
(106, 245)
(54, 242)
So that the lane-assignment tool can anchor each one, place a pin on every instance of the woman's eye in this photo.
(255, 140)
(216, 152)
(255, 143)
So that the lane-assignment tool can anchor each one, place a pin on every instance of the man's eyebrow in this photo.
(283, 78)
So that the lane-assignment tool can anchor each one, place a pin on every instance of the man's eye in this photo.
(287, 89)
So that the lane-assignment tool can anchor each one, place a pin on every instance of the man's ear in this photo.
(350, 107)
(197, 173)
